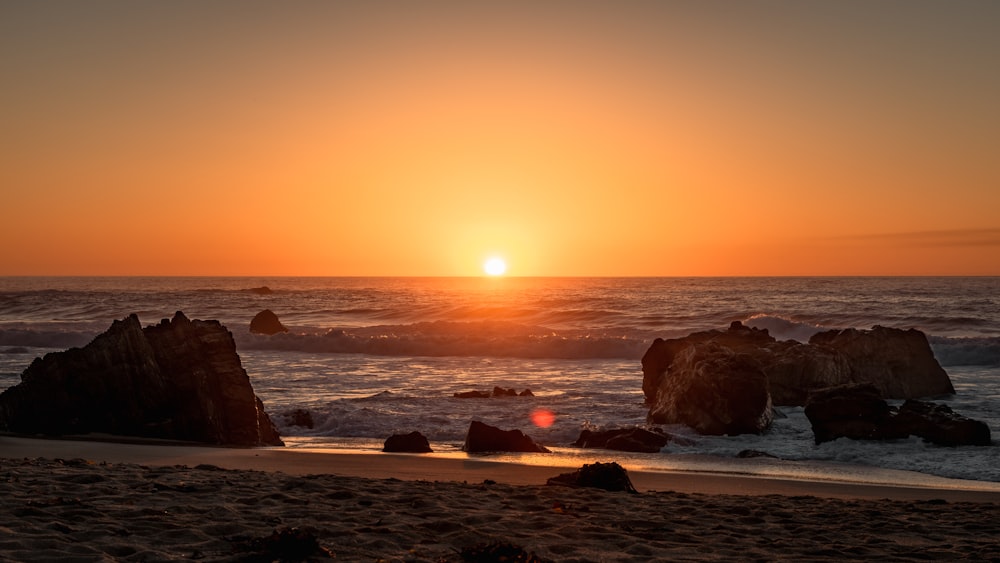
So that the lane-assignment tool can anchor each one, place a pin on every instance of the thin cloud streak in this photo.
(945, 238)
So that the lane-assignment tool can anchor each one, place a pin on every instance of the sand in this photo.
(96, 501)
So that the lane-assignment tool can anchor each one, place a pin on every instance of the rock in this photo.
(472, 395)
(624, 439)
(178, 380)
(940, 425)
(899, 363)
(607, 476)
(858, 412)
(714, 390)
(748, 454)
(414, 442)
(266, 322)
(298, 417)
(497, 392)
(483, 438)
(855, 411)
(262, 290)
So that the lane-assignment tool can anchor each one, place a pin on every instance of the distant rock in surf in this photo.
(178, 380)
(858, 412)
(414, 442)
(298, 417)
(483, 438)
(262, 290)
(626, 439)
(497, 392)
(266, 322)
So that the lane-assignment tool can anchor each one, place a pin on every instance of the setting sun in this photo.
(495, 267)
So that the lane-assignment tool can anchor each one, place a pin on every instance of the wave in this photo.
(451, 338)
(491, 339)
(971, 351)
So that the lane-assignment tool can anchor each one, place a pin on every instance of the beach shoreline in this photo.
(86, 500)
(466, 468)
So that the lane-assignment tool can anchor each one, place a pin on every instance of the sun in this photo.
(495, 266)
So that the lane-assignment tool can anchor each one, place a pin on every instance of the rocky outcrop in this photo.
(899, 363)
(178, 380)
(414, 442)
(858, 412)
(714, 390)
(266, 322)
(483, 438)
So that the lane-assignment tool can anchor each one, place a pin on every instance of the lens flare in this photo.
(543, 418)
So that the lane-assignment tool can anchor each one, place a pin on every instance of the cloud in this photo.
(946, 238)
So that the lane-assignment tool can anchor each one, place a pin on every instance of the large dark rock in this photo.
(178, 380)
(899, 363)
(940, 425)
(482, 438)
(857, 411)
(714, 390)
(414, 442)
(266, 322)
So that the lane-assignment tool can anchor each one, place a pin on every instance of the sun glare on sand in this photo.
(495, 267)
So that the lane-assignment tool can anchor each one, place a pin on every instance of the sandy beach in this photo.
(103, 501)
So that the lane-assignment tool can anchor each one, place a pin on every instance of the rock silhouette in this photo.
(715, 381)
(178, 380)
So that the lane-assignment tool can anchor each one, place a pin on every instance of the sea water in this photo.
(370, 357)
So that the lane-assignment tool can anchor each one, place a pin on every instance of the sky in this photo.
(627, 138)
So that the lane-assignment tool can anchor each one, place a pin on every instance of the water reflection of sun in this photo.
(495, 266)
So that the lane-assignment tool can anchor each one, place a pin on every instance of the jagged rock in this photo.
(898, 362)
(940, 425)
(857, 411)
(483, 438)
(178, 380)
(266, 322)
(624, 439)
(526, 393)
(414, 442)
(714, 390)
(472, 395)
(607, 476)
(298, 417)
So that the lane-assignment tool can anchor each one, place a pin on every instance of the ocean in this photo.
(370, 357)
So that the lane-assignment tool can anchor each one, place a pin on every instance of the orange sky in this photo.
(571, 138)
